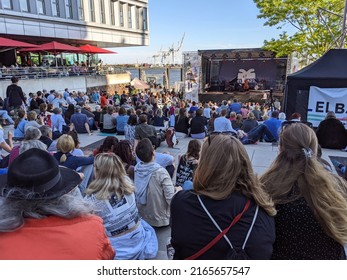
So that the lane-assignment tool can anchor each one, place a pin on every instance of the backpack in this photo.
(170, 137)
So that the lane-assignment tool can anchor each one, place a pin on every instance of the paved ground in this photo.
(261, 156)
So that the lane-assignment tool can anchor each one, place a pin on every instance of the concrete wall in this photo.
(77, 83)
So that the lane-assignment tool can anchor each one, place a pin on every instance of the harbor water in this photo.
(158, 73)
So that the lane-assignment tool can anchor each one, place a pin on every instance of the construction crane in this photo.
(173, 51)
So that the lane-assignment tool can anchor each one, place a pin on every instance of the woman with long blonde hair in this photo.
(312, 203)
(224, 187)
(113, 192)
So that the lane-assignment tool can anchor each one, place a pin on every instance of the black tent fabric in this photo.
(329, 71)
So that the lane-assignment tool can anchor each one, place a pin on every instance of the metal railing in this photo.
(39, 72)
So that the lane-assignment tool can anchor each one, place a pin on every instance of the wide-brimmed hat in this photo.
(36, 175)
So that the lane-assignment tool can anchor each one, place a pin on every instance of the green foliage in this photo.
(312, 30)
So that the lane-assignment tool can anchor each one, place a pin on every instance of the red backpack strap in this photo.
(220, 235)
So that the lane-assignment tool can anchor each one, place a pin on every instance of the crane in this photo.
(173, 51)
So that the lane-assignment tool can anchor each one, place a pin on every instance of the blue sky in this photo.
(215, 24)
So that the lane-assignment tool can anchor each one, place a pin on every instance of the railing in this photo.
(39, 72)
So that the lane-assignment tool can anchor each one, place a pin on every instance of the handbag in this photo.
(232, 254)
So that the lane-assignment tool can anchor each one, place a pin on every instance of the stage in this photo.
(257, 96)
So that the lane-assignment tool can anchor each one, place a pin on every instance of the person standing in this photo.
(15, 94)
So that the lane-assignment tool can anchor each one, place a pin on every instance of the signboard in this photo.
(191, 70)
(323, 100)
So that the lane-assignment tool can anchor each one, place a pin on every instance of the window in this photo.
(137, 21)
(121, 14)
(102, 11)
(41, 9)
(55, 8)
(7, 4)
(145, 22)
(24, 5)
(130, 24)
(80, 9)
(68, 9)
(113, 21)
(92, 10)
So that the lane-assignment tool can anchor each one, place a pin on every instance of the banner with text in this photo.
(191, 70)
(323, 100)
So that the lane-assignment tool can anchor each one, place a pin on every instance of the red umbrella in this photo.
(53, 47)
(4, 42)
(93, 49)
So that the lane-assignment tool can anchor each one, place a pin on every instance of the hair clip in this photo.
(307, 152)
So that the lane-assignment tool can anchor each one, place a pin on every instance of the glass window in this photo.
(41, 9)
(55, 8)
(102, 11)
(121, 14)
(68, 9)
(7, 4)
(145, 22)
(80, 9)
(113, 21)
(92, 10)
(130, 23)
(24, 5)
(137, 22)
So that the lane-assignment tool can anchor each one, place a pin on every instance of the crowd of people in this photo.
(107, 205)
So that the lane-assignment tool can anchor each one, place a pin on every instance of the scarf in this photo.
(143, 173)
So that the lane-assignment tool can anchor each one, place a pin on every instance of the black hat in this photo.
(37, 176)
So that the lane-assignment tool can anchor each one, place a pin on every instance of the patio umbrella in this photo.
(4, 42)
(53, 47)
(89, 50)
(93, 49)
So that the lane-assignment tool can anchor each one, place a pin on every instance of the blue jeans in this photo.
(4, 115)
(258, 132)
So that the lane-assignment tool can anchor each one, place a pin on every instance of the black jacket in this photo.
(332, 134)
(192, 229)
(15, 95)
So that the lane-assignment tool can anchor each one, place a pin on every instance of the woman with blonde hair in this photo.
(113, 193)
(225, 190)
(312, 202)
(65, 147)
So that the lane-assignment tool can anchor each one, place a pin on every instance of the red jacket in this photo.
(103, 101)
(54, 238)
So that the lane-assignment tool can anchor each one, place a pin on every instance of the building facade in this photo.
(105, 23)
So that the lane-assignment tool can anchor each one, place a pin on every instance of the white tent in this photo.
(138, 84)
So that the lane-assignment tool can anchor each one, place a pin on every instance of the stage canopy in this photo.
(227, 70)
(330, 71)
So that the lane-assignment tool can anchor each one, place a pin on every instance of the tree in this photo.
(317, 26)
